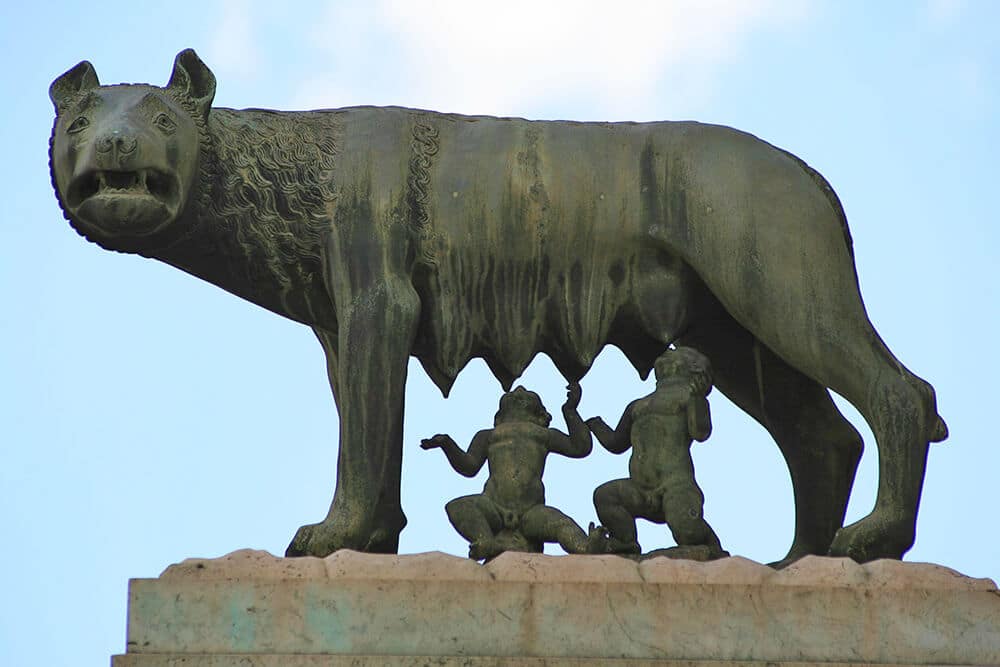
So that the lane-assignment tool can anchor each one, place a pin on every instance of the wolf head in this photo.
(126, 159)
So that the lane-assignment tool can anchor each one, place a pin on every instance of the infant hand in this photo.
(431, 443)
(573, 395)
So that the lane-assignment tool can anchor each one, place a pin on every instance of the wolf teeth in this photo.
(122, 181)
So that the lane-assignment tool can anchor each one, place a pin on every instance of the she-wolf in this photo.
(395, 232)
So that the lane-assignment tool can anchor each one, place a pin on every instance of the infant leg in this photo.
(478, 521)
(618, 503)
(547, 524)
(683, 508)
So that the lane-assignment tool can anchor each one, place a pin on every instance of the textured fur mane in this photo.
(273, 187)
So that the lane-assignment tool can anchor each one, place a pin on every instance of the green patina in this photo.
(397, 232)
(330, 622)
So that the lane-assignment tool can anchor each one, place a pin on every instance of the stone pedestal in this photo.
(251, 609)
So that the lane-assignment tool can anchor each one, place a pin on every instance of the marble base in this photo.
(255, 610)
(301, 660)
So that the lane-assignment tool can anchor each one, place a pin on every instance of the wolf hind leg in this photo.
(821, 448)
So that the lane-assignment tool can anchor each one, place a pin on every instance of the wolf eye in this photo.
(78, 125)
(165, 123)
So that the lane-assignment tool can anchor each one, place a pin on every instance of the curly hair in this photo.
(688, 363)
(274, 187)
(524, 402)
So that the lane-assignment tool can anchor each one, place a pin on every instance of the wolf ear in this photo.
(81, 77)
(192, 78)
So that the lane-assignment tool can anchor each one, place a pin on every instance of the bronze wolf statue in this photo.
(395, 232)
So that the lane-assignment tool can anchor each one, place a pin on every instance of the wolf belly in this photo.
(537, 239)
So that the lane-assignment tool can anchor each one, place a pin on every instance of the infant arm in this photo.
(699, 418)
(618, 440)
(465, 463)
(579, 443)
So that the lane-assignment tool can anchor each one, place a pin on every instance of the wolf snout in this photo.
(115, 146)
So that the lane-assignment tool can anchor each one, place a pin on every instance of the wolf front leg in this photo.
(378, 311)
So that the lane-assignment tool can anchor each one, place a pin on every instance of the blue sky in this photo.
(146, 417)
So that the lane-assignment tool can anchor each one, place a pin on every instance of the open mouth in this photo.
(124, 203)
(139, 183)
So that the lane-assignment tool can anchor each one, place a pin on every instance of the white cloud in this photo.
(496, 56)
(233, 51)
(519, 55)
